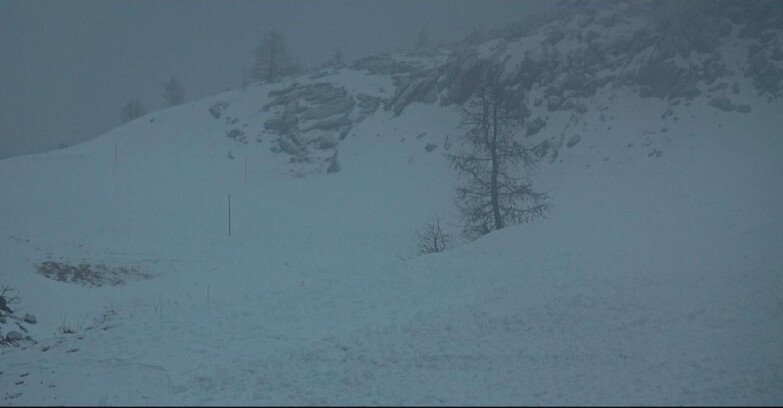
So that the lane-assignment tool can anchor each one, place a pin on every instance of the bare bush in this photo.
(432, 238)
(7, 298)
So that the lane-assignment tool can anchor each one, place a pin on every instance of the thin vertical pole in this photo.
(229, 214)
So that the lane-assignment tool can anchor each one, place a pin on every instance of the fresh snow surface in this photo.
(653, 280)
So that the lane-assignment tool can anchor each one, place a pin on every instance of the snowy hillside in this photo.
(655, 279)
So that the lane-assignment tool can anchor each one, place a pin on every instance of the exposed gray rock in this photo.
(236, 134)
(286, 90)
(557, 85)
(591, 35)
(334, 164)
(719, 87)
(459, 77)
(217, 109)
(13, 336)
(367, 104)
(283, 96)
(281, 124)
(320, 73)
(573, 104)
(340, 106)
(415, 90)
(542, 148)
(723, 103)
(687, 92)
(554, 37)
(321, 93)
(302, 157)
(292, 107)
(282, 100)
(553, 102)
(327, 141)
(584, 21)
(661, 76)
(275, 123)
(535, 126)
(288, 146)
(573, 140)
(385, 64)
(334, 124)
(766, 75)
(29, 318)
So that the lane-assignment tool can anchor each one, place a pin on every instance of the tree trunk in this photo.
(271, 72)
(493, 148)
(494, 194)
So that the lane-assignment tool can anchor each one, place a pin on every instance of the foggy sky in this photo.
(67, 67)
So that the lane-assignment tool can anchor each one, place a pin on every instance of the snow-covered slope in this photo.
(655, 279)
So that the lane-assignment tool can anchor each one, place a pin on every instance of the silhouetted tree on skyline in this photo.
(173, 92)
(132, 110)
(272, 59)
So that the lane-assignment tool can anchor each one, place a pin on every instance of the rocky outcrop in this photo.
(334, 164)
(14, 336)
(572, 64)
(333, 124)
(573, 140)
(534, 126)
(558, 63)
(385, 64)
(217, 109)
(723, 103)
(413, 89)
(311, 119)
(367, 105)
(341, 106)
(319, 106)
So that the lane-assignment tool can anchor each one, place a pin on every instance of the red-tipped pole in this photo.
(229, 214)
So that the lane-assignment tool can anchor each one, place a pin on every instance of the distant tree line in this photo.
(173, 94)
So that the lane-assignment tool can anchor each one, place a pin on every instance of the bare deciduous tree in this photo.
(173, 92)
(495, 191)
